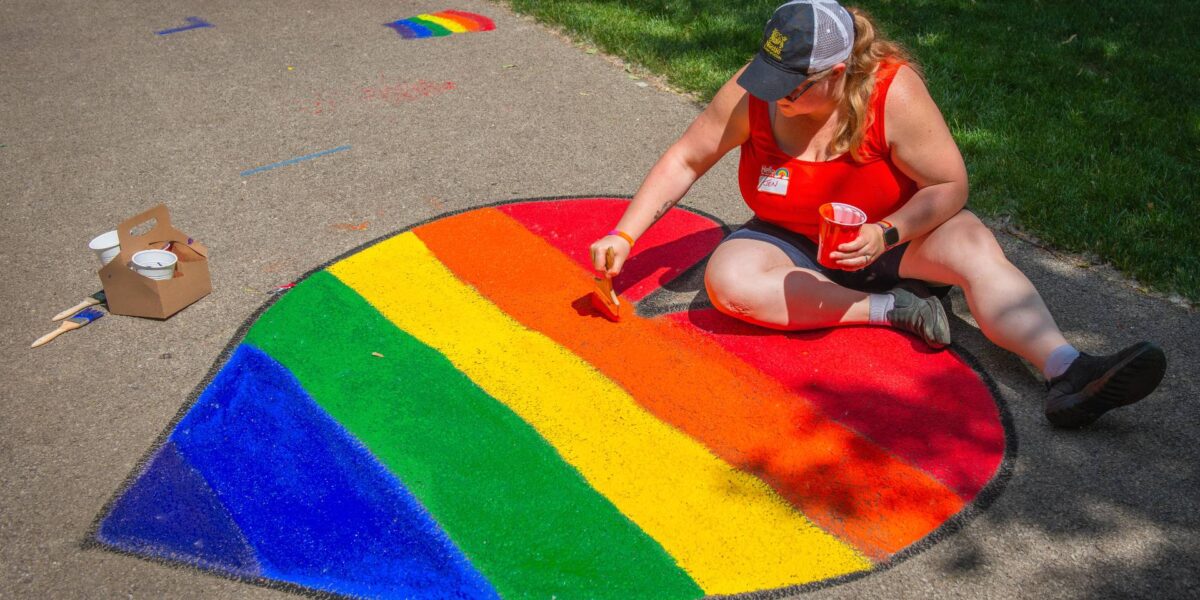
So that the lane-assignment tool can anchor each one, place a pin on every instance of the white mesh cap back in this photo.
(833, 37)
(801, 38)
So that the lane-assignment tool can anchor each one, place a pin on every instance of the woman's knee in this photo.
(978, 237)
(731, 292)
(963, 249)
(733, 276)
(980, 255)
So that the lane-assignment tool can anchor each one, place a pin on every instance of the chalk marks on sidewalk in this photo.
(399, 93)
(351, 226)
(440, 24)
(395, 93)
(193, 23)
(292, 161)
(379, 95)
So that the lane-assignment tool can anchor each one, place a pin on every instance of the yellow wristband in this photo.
(628, 238)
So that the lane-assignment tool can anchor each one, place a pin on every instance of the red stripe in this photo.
(928, 408)
(485, 24)
(468, 24)
(677, 241)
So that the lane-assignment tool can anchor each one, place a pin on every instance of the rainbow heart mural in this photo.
(440, 24)
(440, 414)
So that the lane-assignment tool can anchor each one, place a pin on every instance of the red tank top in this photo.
(783, 190)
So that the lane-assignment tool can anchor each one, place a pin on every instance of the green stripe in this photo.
(526, 519)
(438, 30)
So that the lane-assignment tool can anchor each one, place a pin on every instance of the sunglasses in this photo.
(812, 80)
(796, 93)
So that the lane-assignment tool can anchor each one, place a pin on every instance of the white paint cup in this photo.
(155, 264)
(106, 246)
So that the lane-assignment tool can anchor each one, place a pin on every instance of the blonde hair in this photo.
(870, 49)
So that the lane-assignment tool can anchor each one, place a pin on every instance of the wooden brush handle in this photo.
(609, 256)
(74, 309)
(63, 328)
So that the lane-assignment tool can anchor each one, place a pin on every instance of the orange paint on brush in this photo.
(604, 297)
(844, 482)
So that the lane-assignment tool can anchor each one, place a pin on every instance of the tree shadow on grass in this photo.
(1076, 118)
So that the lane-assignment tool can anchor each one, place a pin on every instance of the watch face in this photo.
(891, 236)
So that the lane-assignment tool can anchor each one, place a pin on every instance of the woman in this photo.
(829, 110)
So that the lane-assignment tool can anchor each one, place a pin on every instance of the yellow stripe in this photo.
(454, 26)
(726, 528)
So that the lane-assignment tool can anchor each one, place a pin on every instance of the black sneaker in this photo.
(919, 312)
(1094, 385)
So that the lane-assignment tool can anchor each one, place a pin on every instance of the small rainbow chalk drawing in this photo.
(408, 422)
(193, 23)
(440, 24)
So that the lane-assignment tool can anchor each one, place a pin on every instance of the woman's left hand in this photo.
(864, 250)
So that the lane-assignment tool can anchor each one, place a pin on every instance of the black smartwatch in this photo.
(891, 235)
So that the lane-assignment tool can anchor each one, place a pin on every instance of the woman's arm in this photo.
(722, 126)
(923, 149)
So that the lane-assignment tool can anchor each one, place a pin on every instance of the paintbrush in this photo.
(80, 319)
(603, 297)
(94, 299)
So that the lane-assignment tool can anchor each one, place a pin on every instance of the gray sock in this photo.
(880, 305)
(1060, 359)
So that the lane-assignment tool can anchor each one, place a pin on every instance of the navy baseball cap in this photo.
(801, 38)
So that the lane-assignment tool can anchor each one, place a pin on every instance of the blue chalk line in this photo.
(196, 23)
(292, 161)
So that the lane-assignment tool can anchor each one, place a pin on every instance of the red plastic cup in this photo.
(839, 225)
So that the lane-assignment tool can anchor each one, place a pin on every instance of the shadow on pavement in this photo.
(1121, 490)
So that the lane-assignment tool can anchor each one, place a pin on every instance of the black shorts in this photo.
(878, 277)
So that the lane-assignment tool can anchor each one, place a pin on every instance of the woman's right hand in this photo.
(620, 248)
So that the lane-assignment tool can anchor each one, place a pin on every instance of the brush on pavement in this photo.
(80, 319)
(603, 297)
(94, 299)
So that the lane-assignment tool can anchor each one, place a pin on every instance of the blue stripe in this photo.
(170, 512)
(196, 23)
(420, 30)
(292, 161)
(317, 507)
(405, 29)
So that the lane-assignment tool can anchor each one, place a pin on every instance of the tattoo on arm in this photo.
(662, 210)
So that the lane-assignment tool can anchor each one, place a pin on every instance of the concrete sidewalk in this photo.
(102, 118)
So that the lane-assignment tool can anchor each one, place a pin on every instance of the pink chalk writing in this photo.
(399, 93)
(381, 94)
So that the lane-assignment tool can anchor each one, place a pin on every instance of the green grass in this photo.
(1080, 120)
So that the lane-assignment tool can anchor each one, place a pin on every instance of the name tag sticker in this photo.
(773, 181)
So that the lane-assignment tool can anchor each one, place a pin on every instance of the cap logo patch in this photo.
(774, 44)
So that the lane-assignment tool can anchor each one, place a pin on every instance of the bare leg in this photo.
(756, 282)
(1009, 310)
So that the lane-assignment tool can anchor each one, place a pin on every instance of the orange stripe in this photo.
(485, 24)
(843, 482)
(468, 24)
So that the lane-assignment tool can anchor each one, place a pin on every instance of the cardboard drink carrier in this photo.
(131, 293)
